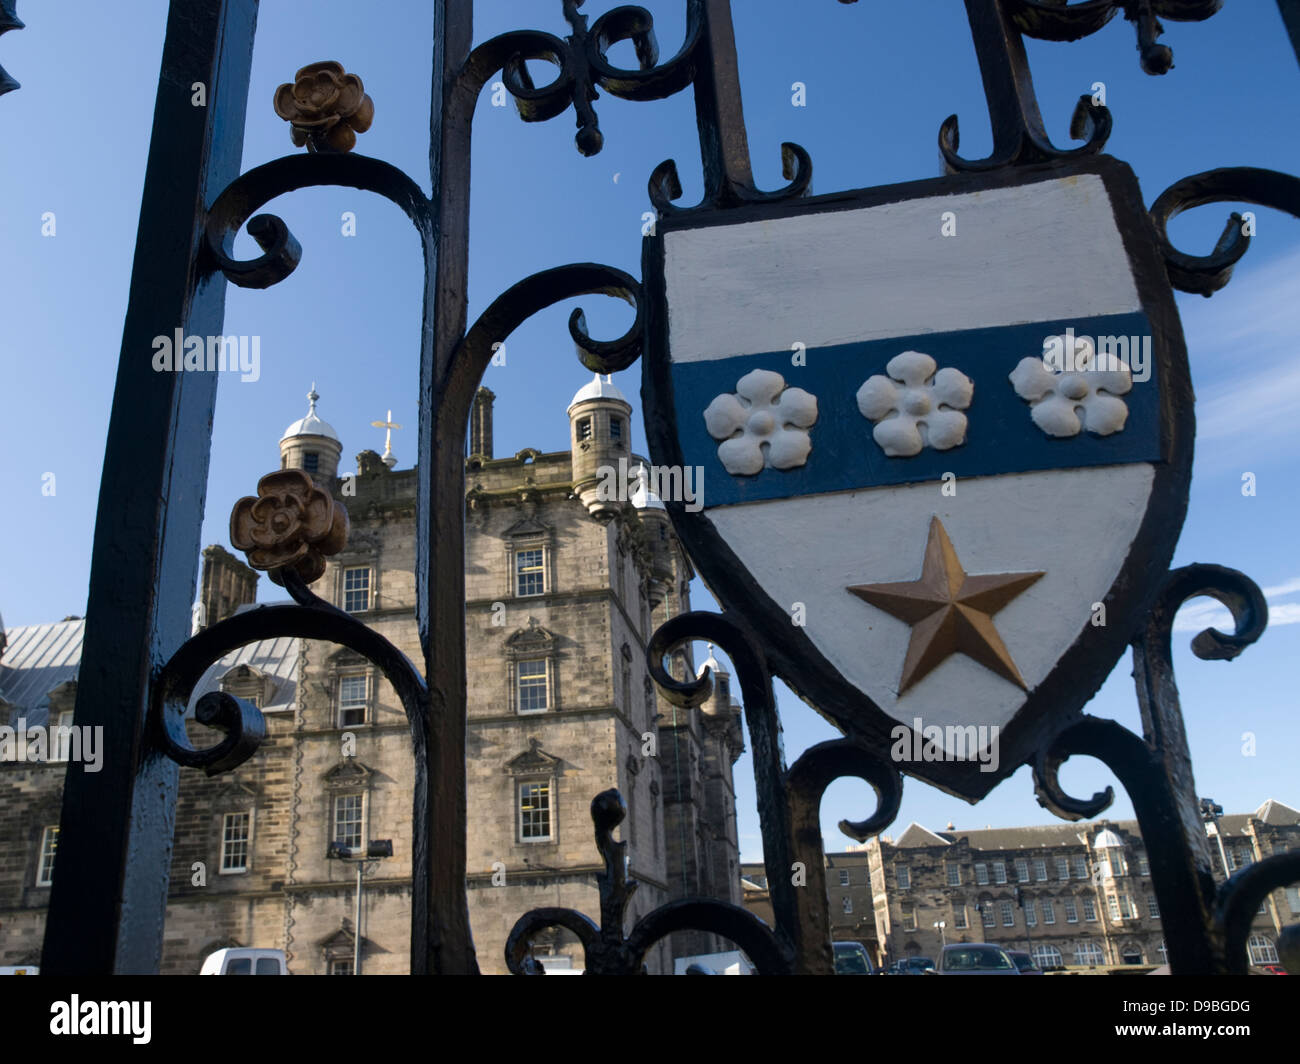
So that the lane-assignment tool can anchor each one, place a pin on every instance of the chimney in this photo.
(227, 584)
(480, 424)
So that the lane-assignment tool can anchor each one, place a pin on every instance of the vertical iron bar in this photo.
(1290, 10)
(720, 118)
(444, 945)
(1169, 816)
(109, 896)
(1008, 85)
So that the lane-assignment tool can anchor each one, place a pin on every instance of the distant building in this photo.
(564, 587)
(1085, 892)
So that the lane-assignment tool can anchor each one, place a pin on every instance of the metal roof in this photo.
(40, 657)
(37, 658)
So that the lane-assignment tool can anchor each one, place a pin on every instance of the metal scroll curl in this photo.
(1206, 274)
(1052, 20)
(1241, 897)
(581, 65)
(796, 167)
(1090, 123)
(241, 721)
(537, 292)
(1133, 759)
(281, 252)
(789, 801)
(606, 951)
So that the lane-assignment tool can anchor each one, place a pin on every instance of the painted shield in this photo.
(941, 434)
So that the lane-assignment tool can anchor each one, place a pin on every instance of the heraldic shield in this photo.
(940, 435)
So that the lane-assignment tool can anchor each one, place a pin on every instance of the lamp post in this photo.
(1029, 938)
(375, 851)
(1210, 813)
(943, 939)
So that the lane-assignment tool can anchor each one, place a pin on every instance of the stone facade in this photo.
(561, 599)
(1076, 896)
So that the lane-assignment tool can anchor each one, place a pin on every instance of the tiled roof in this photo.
(1034, 837)
(40, 657)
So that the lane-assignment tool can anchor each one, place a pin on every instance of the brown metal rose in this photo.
(326, 107)
(292, 523)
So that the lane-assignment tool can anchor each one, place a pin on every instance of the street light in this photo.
(1029, 938)
(1210, 813)
(943, 939)
(376, 850)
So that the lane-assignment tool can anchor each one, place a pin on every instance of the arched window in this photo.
(1046, 956)
(1088, 953)
(1261, 950)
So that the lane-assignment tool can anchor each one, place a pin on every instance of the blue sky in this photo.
(879, 81)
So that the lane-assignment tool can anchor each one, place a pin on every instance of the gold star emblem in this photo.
(950, 611)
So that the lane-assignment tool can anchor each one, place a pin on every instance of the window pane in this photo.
(311, 462)
(529, 574)
(535, 810)
(268, 966)
(954, 875)
(981, 874)
(584, 429)
(615, 429)
(1062, 868)
(904, 878)
(1080, 868)
(353, 692)
(234, 843)
(844, 877)
(347, 820)
(1040, 868)
(356, 589)
(1008, 914)
(999, 871)
(1071, 911)
(533, 693)
(240, 966)
(1089, 910)
(1049, 911)
(49, 846)
(1022, 870)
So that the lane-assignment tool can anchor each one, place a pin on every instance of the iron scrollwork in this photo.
(1206, 274)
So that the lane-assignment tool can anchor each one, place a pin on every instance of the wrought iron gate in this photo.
(138, 669)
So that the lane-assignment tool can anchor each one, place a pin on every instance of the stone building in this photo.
(1072, 895)
(565, 583)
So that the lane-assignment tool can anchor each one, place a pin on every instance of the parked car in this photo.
(245, 962)
(1024, 962)
(851, 958)
(975, 958)
(915, 965)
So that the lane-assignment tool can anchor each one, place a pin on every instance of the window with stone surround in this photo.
(954, 875)
(999, 871)
(535, 811)
(530, 572)
(904, 877)
(1088, 953)
(348, 812)
(1022, 870)
(236, 831)
(990, 918)
(1080, 864)
(247, 682)
(982, 874)
(844, 877)
(1062, 868)
(49, 848)
(959, 916)
(909, 918)
(356, 588)
(1049, 911)
(531, 670)
(1261, 950)
(1040, 869)
(353, 699)
(341, 966)
(1008, 913)
(1031, 913)
(1153, 908)
(1089, 910)
(532, 692)
(1071, 911)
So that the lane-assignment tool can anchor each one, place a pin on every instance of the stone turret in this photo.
(599, 432)
(480, 424)
(658, 536)
(227, 584)
(311, 444)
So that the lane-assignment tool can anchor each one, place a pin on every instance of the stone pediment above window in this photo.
(62, 699)
(348, 774)
(533, 762)
(528, 526)
(531, 640)
(232, 795)
(347, 658)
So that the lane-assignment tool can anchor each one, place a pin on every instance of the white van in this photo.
(245, 962)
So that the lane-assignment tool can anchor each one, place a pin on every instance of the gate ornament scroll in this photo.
(1155, 768)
